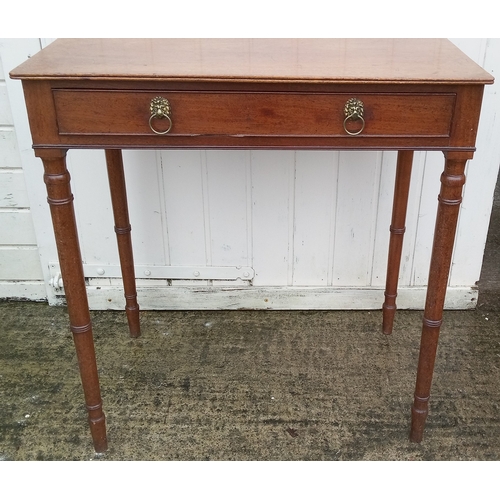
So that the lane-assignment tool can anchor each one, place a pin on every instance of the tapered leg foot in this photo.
(401, 190)
(60, 199)
(123, 229)
(388, 313)
(132, 311)
(419, 411)
(450, 197)
(98, 430)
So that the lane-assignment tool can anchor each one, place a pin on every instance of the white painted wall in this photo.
(312, 225)
(20, 268)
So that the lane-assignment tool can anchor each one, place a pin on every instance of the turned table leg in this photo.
(450, 197)
(60, 199)
(122, 228)
(401, 189)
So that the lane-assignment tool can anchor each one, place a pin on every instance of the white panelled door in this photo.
(277, 229)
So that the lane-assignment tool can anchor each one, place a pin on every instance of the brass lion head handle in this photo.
(353, 111)
(160, 109)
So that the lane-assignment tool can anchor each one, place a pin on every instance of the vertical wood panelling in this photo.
(384, 212)
(9, 152)
(315, 193)
(93, 212)
(143, 192)
(272, 214)
(359, 172)
(16, 227)
(228, 207)
(184, 207)
(19, 263)
(249, 212)
(382, 224)
(13, 192)
(413, 218)
(422, 247)
(5, 114)
(19, 256)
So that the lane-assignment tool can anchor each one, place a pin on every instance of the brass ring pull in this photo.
(354, 110)
(160, 108)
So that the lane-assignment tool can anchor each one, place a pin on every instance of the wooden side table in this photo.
(402, 95)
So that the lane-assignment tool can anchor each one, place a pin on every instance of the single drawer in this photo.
(285, 114)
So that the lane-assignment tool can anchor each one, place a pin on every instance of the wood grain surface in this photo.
(341, 60)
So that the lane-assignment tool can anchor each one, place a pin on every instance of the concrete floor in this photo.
(254, 385)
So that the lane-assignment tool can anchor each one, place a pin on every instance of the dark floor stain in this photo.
(186, 384)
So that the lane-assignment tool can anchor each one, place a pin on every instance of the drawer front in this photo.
(291, 114)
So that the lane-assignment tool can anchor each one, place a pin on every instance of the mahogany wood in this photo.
(123, 229)
(60, 199)
(78, 118)
(450, 198)
(397, 230)
(270, 94)
(283, 60)
(254, 114)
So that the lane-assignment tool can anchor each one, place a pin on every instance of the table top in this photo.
(270, 60)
